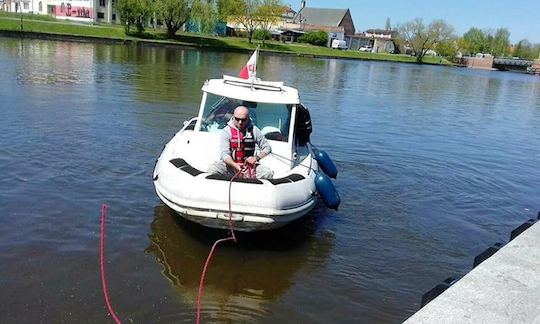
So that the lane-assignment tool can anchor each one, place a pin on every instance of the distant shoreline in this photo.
(109, 34)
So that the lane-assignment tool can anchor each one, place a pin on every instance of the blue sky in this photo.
(521, 17)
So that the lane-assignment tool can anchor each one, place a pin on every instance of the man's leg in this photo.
(219, 167)
(263, 172)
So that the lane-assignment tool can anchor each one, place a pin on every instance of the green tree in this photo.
(500, 44)
(525, 50)
(143, 10)
(243, 12)
(203, 13)
(269, 13)
(318, 38)
(134, 12)
(475, 41)
(261, 34)
(126, 11)
(173, 13)
(448, 48)
(421, 38)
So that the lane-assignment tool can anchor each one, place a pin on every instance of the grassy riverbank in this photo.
(46, 25)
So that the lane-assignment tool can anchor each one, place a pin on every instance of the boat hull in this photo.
(246, 222)
(256, 205)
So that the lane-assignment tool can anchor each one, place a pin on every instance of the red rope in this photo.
(102, 256)
(232, 237)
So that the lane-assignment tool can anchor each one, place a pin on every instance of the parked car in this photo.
(366, 49)
(339, 44)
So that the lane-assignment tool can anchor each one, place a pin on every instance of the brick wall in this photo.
(536, 67)
(485, 63)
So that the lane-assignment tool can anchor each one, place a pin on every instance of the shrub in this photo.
(261, 34)
(318, 38)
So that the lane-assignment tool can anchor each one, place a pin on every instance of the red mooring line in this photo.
(205, 268)
(232, 237)
(102, 257)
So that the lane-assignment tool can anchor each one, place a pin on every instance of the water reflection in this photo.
(243, 278)
(56, 63)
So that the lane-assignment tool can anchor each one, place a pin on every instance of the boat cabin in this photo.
(272, 108)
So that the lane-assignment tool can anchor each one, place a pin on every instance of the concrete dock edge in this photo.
(503, 289)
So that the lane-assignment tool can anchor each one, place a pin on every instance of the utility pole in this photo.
(20, 9)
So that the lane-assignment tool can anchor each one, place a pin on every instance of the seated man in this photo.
(237, 147)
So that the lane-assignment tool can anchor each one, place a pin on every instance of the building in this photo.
(17, 6)
(337, 23)
(79, 10)
(379, 40)
(5, 5)
(105, 12)
(326, 17)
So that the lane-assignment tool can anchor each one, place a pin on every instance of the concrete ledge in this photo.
(503, 289)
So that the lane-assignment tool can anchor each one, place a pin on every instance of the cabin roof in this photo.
(258, 91)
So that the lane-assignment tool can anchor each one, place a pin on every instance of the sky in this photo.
(520, 17)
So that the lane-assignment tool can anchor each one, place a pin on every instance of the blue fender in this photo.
(327, 191)
(325, 162)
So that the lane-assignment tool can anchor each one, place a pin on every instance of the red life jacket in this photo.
(242, 145)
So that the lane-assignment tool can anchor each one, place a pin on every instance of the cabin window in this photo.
(272, 119)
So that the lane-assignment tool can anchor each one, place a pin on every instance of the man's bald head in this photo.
(241, 110)
(241, 117)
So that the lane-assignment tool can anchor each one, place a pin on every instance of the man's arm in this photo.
(263, 144)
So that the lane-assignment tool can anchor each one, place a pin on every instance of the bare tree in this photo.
(421, 38)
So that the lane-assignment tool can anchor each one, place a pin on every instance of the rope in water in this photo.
(205, 268)
(231, 237)
(102, 263)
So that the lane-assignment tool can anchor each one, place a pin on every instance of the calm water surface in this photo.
(436, 164)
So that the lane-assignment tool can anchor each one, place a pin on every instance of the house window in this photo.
(25, 5)
(102, 3)
(40, 6)
(100, 15)
(113, 16)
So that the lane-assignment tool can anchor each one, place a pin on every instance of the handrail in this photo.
(254, 85)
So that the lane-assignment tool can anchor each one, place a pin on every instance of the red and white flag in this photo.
(250, 69)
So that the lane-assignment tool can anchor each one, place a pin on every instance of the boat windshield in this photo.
(272, 119)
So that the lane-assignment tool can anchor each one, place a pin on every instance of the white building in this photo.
(105, 12)
(17, 6)
(78, 10)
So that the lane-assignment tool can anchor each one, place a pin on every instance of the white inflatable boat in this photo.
(183, 184)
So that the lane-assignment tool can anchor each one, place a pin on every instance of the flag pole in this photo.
(255, 66)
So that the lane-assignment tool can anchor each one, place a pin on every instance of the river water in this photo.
(436, 164)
